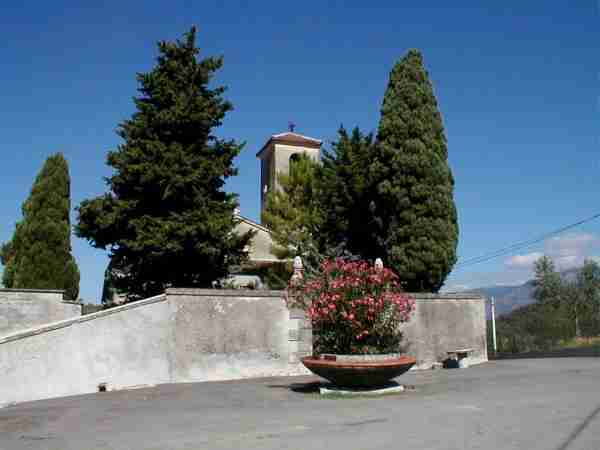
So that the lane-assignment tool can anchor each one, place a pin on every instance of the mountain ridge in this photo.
(509, 297)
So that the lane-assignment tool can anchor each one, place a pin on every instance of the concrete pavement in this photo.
(549, 404)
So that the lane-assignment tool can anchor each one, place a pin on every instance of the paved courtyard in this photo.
(520, 404)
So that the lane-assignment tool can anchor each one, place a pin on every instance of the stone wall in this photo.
(25, 308)
(189, 335)
(229, 334)
(186, 335)
(443, 323)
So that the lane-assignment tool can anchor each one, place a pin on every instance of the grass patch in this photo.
(582, 342)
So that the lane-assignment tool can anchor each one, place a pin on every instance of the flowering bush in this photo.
(354, 307)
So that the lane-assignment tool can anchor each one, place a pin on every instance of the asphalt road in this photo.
(549, 404)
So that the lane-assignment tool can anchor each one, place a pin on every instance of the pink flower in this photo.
(350, 297)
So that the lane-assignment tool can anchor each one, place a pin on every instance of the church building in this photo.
(275, 157)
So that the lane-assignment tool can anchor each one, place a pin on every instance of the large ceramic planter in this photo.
(362, 371)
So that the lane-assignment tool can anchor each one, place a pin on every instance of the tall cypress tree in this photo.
(414, 212)
(39, 254)
(166, 219)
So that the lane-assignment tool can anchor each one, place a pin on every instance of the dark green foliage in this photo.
(7, 258)
(166, 219)
(39, 254)
(548, 285)
(565, 308)
(347, 191)
(109, 291)
(579, 297)
(390, 198)
(275, 275)
(294, 214)
(534, 327)
(328, 339)
(583, 298)
(90, 308)
(415, 225)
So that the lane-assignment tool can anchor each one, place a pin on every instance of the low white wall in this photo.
(200, 335)
(443, 323)
(229, 334)
(185, 335)
(26, 308)
(125, 346)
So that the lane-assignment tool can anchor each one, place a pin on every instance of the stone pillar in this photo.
(300, 336)
(298, 270)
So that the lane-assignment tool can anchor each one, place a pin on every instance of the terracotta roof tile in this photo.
(293, 139)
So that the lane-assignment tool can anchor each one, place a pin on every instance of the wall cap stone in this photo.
(245, 293)
(40, 291)
(446, 296)
(225, 292)
(79, 319)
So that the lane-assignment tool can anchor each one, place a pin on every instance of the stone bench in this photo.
(460, 355)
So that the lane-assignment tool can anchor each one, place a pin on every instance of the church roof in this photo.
(291, 138)
(251, 223)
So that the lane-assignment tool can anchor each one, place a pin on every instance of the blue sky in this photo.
(517, 84)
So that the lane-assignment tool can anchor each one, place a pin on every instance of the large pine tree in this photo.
(414, 213)
(39, 254)
(166, 219)
(346, 191)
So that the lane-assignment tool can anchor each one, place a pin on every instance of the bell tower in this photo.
(276, 154)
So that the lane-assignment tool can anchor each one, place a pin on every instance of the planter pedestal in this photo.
(359, 371)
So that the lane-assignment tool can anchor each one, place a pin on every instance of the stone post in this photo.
(298, 270)
(300, 337)
(300, 329)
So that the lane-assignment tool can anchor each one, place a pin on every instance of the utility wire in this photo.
(521, 245)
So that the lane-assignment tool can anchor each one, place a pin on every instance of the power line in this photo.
(521, 245)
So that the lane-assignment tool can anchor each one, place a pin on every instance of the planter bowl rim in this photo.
(391, 362)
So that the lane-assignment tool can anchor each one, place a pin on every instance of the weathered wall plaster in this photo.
(190, 335)
(260, 249)
(26, 308)
(443, 323)
(185, 335)
(222, 334)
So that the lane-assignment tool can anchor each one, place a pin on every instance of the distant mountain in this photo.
(509, 298)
